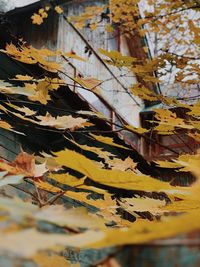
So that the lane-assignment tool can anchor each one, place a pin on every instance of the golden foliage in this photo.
(176, 206)
(107, 140)
(62, 122)
(31, 55)
(114, 178)
(58, 9)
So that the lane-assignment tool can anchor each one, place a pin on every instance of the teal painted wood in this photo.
(160, 256)
(9, 145)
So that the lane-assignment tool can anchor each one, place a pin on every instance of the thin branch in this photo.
(25, 191)
(98, 131)
(95, 53)
(54, 198)
(171, 13)
(180, 56)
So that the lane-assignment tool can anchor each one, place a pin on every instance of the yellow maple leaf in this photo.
(80, 196)
(109, 27)
(67, 179)
(58, 9)
(5, 125)
(24, 164)
(168, 121)
(123, 165)
(62, 122)
(117, 59)
(143, 92)
(93, 26)
(23, 77)
(79, 25)
(41, 96)
(89, 83)
(25, 110)
(74, 218)
(114, 178)
(74, 56)
(97, 150)
(37, 19)
(107, 140)
(143, 204)
(167, 164)
(139, 130)
(17, 242)
(196, 31)
(31, 55)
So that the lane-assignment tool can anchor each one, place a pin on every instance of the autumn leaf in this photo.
(117, 59)
(151, 205)
(114, 178)
(190, 163)
(139, 130)
(67, 179)
(63, 122)
(16, 243)
(167, 164)
(142, 232)
(49, 161)
(5, 125)
(89, 83)
(168, 121)
(123, 165)
(31, 55)
(41, 93)
(59, 122)
(37, 19)
(194, 110)
(143, 92)
(107, 140)
(173, 208)
(102, 153)
(73, 218)
(109, 28)
(40, 169)
(23, 78)
(17, 210)
(93, 26)
(58, 9)
(82, 197)
(24, 164)
(107, 207)
(25, 110)
(90, 13)
(74, 56)
(195, 29)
